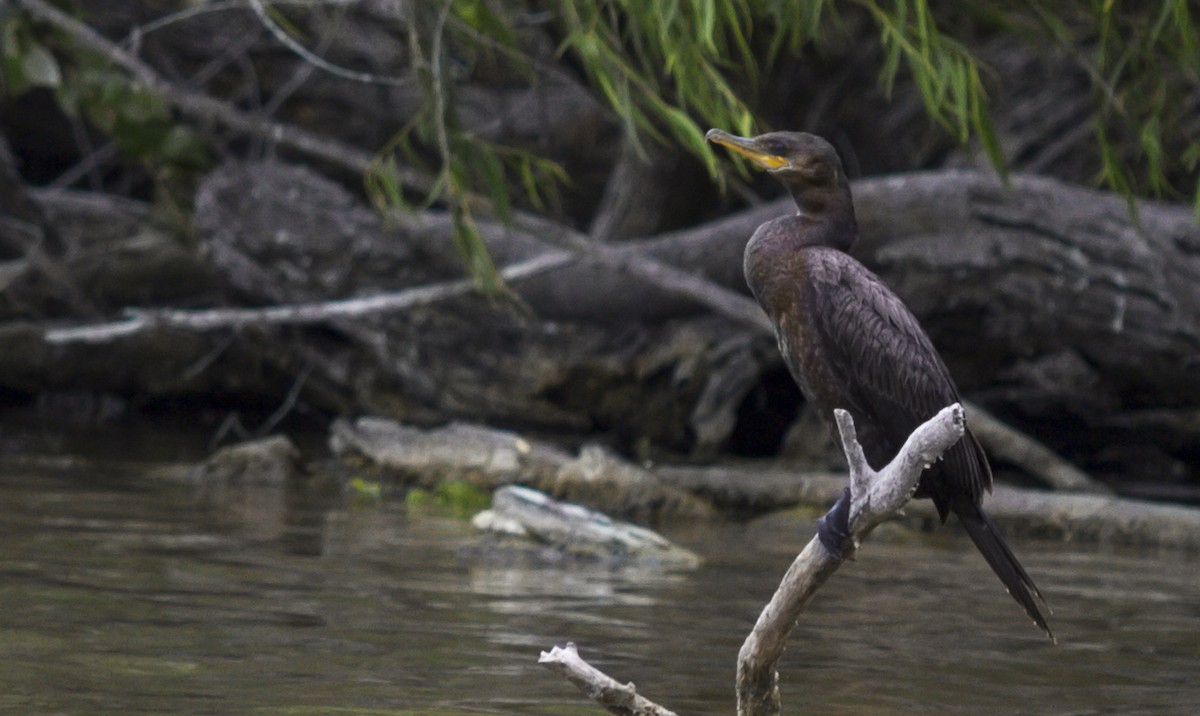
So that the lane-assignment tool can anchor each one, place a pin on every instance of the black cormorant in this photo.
(851, 343)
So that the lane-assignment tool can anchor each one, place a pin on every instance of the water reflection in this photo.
(124, 594)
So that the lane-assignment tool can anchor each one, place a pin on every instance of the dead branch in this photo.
(871, 498)
(202, 108)
(615, 697)
(316, 60)
(294, 314)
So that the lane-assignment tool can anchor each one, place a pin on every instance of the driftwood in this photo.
(871, 498)
(253, 267)
(1037, 268)
(489, 458)
(1085, 313)
(615, 697)
(1101, 519)
(526, 523)
(1044, 244)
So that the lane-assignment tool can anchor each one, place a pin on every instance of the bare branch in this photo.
(295, 314)
(201, 107)
(873, 497)
(617, 698)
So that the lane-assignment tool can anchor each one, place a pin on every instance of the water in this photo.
(120, 594)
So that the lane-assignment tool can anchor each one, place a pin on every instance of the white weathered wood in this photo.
(614, 696)
(874, 497)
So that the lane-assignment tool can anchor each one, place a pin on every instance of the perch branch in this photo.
(871, 498)
(614, 696)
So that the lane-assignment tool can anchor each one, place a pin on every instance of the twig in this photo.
(134, 40)
(316, 60)
(617, 698)
(294, 314)
(289, 402)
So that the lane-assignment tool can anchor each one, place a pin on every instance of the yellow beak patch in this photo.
(747, 148)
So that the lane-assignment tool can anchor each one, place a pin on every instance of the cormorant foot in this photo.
(834, 528)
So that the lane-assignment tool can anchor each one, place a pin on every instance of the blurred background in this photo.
(227, 220)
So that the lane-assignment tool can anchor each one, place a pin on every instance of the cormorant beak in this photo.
(749, 148)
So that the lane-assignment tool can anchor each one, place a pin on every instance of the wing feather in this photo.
(891, 372)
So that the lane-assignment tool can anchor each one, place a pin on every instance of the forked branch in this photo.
(871, 498)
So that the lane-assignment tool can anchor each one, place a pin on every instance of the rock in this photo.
(525, 522)
(481, 456)
(270, 462)
(246, 485)
(600, 478)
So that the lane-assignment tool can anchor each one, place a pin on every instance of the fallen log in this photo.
(1104, 520)
(489, 459)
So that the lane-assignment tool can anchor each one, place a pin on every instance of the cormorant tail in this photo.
(1004, 563)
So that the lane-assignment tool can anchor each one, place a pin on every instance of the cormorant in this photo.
(850, 342)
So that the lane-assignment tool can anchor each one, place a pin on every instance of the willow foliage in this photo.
(671, 68)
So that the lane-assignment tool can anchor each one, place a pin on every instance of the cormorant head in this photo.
(806, 164)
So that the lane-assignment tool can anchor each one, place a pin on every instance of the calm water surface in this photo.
(121, 595)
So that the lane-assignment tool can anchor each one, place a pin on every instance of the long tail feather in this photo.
(1004, 563)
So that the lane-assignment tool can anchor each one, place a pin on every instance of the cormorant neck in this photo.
(828, 215)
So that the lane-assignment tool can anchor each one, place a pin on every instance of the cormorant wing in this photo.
(887, 367)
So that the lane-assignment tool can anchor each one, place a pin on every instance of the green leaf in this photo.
(706, 22)
(480, 17)
(1151, 141)
(383, 185)
(473, 251)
